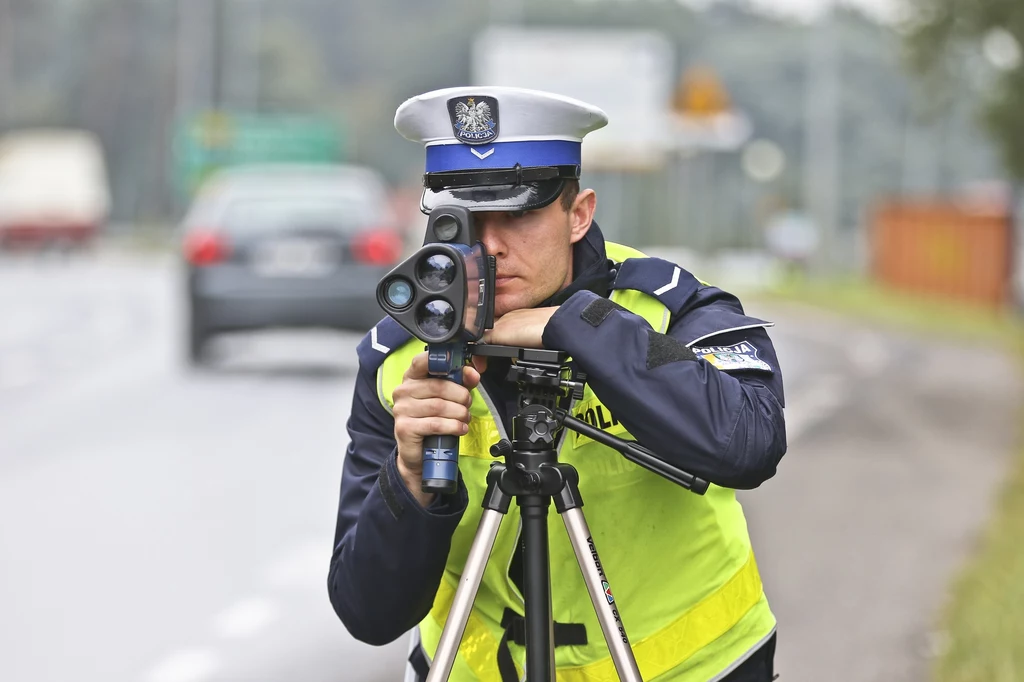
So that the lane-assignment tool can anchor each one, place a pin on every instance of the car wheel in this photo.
(198, 340)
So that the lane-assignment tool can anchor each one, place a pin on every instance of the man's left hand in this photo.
(523, 328)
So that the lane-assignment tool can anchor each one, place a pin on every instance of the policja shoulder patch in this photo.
(738, 356)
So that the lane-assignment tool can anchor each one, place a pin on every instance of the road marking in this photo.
(187, 665)
(823, 395)
(71, 351)
(18, 370)
(109, 323)
(245, 618)
(22, 323)
(304, 566)
(869, 353)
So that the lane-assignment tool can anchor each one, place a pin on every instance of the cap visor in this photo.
(525, 197)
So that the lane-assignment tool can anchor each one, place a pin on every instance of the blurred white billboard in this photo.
(629, 74)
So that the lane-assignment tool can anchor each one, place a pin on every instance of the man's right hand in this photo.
(426, 406)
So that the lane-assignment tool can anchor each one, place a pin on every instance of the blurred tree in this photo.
(119, 83)
(377, 55)
(945, 38)
(112, 66)
(291, 67)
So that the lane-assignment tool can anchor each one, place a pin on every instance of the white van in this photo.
(53, 188)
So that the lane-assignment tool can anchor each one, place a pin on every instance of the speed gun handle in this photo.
(441, 453)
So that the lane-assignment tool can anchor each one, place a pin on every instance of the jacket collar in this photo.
(590, 267)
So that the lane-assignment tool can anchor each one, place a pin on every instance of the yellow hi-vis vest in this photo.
(681, 565)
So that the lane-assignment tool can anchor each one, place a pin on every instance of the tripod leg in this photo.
(469, 583)
(540, 627)
(601, 596)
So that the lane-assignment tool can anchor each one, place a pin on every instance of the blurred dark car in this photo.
(287, 247)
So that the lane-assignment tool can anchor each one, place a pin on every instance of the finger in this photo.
(471, 376)
(479, 363)
(434, 388)
(418, 367)
(431, 426)
(432, 407)
(502, 335)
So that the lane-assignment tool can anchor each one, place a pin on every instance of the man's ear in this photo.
(581, 215)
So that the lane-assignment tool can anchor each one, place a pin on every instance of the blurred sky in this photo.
(809, 9)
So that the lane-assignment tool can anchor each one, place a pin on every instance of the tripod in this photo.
(532, 474)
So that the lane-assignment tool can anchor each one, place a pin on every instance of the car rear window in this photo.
(344, 215)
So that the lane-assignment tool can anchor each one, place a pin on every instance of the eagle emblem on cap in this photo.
(474, 119)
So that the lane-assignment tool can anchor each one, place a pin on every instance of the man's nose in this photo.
(489, 232)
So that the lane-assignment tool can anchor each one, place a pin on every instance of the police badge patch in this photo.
(474, 119)
(735, 357)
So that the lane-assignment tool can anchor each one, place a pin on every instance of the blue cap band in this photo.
(442, 158)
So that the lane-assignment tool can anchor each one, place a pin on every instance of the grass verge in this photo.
(909, 312)
(983, 620)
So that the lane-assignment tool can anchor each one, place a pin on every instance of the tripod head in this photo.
(543, 378)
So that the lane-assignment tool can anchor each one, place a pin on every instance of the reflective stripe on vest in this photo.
(478, 648)
(655, 655)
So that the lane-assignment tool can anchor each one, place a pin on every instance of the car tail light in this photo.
(205, 248)
(377, 247)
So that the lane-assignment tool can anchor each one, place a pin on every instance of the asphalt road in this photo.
(162, 525)
(898, 447)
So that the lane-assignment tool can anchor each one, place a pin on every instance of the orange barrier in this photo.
(943, 248)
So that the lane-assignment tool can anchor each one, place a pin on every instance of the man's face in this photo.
(533, 250)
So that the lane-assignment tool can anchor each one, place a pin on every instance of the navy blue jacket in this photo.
(723, 425)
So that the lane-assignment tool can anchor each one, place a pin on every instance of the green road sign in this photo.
(208, 141)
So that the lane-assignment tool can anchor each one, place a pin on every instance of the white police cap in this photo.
(497, 148)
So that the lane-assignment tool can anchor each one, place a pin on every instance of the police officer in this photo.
(671, 361)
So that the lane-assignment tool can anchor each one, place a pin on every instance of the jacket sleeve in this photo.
(724, 426)
(389, 552)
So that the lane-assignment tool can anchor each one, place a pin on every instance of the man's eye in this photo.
(516, 215)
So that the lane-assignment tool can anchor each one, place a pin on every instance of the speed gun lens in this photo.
(398, 293)
(446, 228)
(436, 318)
(436, 272)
